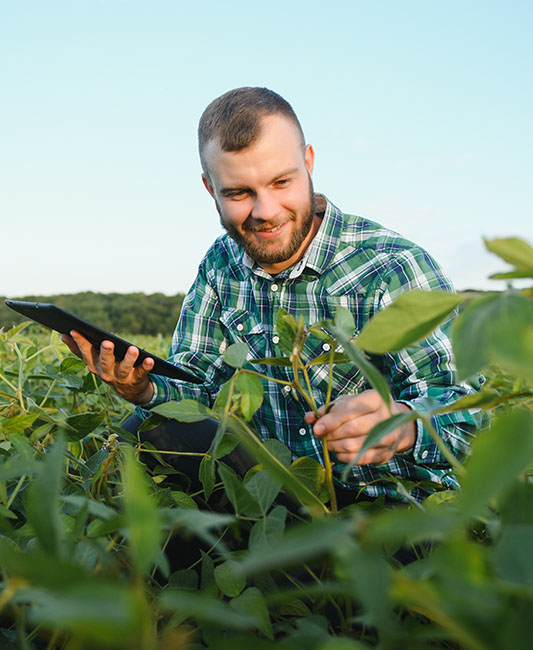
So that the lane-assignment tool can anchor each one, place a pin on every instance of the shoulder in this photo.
(379, 257)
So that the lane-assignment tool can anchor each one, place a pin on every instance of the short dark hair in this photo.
(235, 118)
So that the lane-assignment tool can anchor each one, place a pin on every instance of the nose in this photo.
(266, 206)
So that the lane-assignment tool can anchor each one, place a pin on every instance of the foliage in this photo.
(84, 526)
(133, 313)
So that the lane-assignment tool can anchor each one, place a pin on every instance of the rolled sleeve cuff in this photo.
(425, 450)
(161, 395)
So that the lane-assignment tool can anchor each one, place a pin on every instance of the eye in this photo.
(236, 194)
(282, 182)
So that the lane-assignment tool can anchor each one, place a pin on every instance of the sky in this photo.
(420, 114)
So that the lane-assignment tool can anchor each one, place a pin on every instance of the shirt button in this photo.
(424, 454)
(287, 389)
(240, 327)
(326, 347)
(302, 431)
(275, 339)
(274, 287)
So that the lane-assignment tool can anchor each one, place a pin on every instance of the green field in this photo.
(89, 535)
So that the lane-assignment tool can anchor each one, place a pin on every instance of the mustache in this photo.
(251, 225)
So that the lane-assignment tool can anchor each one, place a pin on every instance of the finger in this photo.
(370, 457)
(71, 344)
(87, 350)
(344, 409)
(147, 366)
(124, 368)
(310, 417)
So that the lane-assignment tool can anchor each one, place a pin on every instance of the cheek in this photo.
(235, 212)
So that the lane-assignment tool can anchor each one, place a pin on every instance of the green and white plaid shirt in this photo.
(351, 262)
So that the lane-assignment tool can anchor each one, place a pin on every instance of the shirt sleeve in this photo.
(198, 345)
(423, 376)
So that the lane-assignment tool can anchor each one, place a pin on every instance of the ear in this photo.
(208, 185)
(309, 158)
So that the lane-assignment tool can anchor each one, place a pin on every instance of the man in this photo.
(288, 248)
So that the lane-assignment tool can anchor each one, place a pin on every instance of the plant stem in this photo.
(260, 375)
(442, 446)
(16, 490)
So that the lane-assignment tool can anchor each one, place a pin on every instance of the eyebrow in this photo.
(235, 188)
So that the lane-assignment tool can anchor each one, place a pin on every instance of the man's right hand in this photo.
(132, 383)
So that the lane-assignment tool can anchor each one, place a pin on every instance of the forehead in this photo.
(278, 147)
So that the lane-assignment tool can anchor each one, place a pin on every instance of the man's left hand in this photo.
(349, 421)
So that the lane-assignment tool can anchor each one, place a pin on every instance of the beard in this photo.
(263, 252)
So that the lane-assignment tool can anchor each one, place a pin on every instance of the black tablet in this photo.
(62, 321)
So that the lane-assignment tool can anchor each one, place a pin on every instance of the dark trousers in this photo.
(188, 437)
(196, 437)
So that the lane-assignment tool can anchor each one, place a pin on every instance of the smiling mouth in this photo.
(274, 229)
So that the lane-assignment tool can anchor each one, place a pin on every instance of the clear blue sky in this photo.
(420, 113)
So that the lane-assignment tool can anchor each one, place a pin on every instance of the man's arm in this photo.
(423, 371)
(197, 345)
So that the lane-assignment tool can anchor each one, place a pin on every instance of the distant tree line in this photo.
(131, 313)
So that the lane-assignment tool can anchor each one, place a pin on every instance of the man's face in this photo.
(264, 194)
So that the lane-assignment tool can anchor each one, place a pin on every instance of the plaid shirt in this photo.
(351, 262)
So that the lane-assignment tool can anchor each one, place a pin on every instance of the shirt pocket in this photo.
(240, 326)
(346, 376)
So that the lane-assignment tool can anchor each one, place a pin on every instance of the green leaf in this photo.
(280, 451)
(18, 423)
(252, 602)
(151, 422)
(142, 517)
(187, 410)
(71, 365)
(499, 455)
(207, 577)
(338, 357)
(96, 508)
(287, 330)
(235, 355)
(512, 554)
(229, 578)
(264, 488)
(288, 321)
(510, 275)
(206, 474)
(43, 507)
(485, 399)
(264, 455)
(240, 497)
(104, 613)
(301, 543)
(198, 522)
(410, 318)
(183, 500)
(267, 532)
(183, 579)
(251, 389)
(344, 322)
(83, 424)
(310, 472)
(495, 329)
(515, 251)
(5, 512)
(194, 605)
(371, 373)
